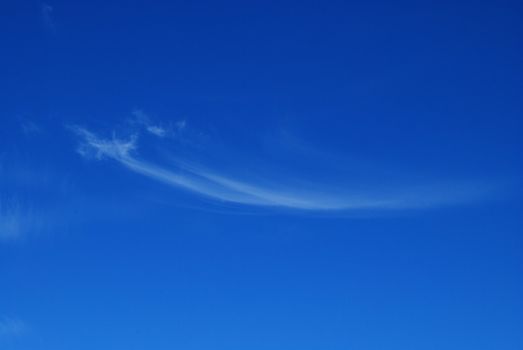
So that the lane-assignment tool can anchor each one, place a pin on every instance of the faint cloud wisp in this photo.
(12, 327)
(17, 219)
(211, 184)
(47, 17)
(29, 127)
(161, 131)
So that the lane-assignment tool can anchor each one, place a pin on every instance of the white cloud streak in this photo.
(227, 189)
(156, 130)
(161, 131)
(99, 148)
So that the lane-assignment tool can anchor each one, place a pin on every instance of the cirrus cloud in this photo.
(200, 180)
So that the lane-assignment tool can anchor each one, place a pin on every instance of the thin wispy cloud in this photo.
(157, 129)
(99, 148)
(180, 125)
(47, 17)
(29, 127)
(17, 219)
(212, 184)
(12, 327)
(28, 195)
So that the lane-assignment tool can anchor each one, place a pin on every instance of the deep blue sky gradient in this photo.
(340, 96)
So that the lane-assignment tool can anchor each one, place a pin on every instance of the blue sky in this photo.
(254, 175)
